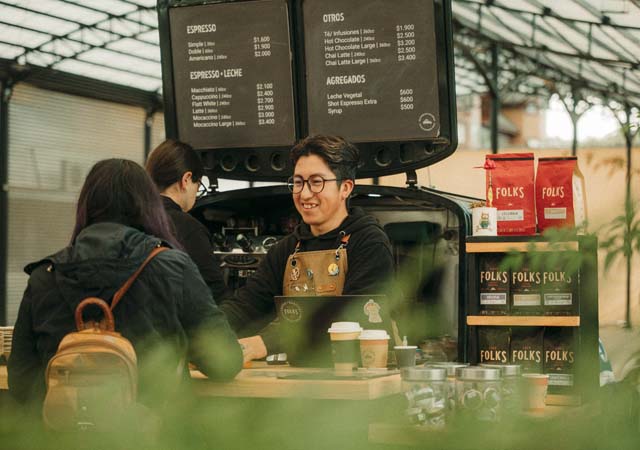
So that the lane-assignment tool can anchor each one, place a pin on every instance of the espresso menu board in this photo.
(232, 74)
(371, 69)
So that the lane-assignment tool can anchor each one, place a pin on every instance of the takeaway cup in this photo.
(405, 355)
(534, 390)
(374, 348)
(344, 346)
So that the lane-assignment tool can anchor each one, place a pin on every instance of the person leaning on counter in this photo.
(119, 221)
(305, 262)
(177, 171)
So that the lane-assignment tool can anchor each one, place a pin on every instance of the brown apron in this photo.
(314, 273)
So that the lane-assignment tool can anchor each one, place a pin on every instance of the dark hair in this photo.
(170, 160)
(341, 156)
(119, 190)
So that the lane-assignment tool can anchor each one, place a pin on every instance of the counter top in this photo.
(262, 381)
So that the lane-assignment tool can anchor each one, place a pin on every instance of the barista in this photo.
(176, 170)
(337, 250)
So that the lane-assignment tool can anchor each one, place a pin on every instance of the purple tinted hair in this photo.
(119, 190)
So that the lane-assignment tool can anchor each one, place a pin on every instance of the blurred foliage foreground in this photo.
(179, 419)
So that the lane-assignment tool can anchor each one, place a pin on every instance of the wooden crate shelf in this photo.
(523, 246)
(525, 321)
(584, 324)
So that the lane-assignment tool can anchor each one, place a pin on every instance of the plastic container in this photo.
(426, 392)
(478, 393)
(511, 386)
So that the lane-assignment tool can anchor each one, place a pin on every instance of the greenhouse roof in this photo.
(544, 46)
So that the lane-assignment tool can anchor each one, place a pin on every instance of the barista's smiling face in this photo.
(322, 211)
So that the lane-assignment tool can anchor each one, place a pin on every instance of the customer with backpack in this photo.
(168, 313)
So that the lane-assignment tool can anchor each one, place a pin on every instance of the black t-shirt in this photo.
(196, 240)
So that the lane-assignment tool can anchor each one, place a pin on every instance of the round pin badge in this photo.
(333, 269)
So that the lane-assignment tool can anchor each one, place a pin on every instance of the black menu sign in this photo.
(371, 69)
(232, 74)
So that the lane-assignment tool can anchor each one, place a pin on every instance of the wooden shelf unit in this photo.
(585, 323)
(525, 321)
(523, 246)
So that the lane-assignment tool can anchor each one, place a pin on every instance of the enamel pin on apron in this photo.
(295, 274)
(333, 269)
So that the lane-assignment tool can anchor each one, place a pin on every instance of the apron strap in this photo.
(343, 244)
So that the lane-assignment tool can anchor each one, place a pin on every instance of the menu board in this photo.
(371, 69)
(232, 74)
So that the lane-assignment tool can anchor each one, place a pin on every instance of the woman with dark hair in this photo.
(119, 221)
(177, 170)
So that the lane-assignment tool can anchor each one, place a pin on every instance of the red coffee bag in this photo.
(559, 193)
(511, 186)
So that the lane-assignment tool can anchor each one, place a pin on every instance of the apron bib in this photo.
(316, 273)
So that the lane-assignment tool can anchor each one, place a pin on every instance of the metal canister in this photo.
(511, 386)
(426, 393)
(478, 393)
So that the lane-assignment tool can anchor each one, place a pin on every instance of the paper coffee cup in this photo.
(484, 221)
(374, 348)
(534, 388)
(405, 355)
(344, 346)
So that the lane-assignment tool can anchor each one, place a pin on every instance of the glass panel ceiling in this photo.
(593, 45)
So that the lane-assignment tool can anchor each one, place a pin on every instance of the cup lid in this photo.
(508, 370)
(344, 327)
(423, 374)
(370, 335)
(478, 373)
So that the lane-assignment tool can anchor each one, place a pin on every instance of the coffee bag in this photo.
(526, 348)
(511, 187)
(560, 289)
(526, 284)
(494, 285)
(559, 358)
(560, 193)
(493, 345)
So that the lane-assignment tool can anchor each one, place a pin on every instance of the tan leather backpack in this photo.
(93, 376)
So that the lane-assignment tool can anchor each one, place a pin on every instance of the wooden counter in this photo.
(263, 381)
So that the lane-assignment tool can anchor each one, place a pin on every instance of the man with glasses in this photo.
(337, 250)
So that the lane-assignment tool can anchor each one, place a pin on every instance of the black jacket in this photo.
(168, 304)
(370, 269)
(196, 241)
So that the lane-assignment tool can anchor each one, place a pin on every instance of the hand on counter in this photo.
(252, 348)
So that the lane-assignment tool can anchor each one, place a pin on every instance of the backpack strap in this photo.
(125, 287)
